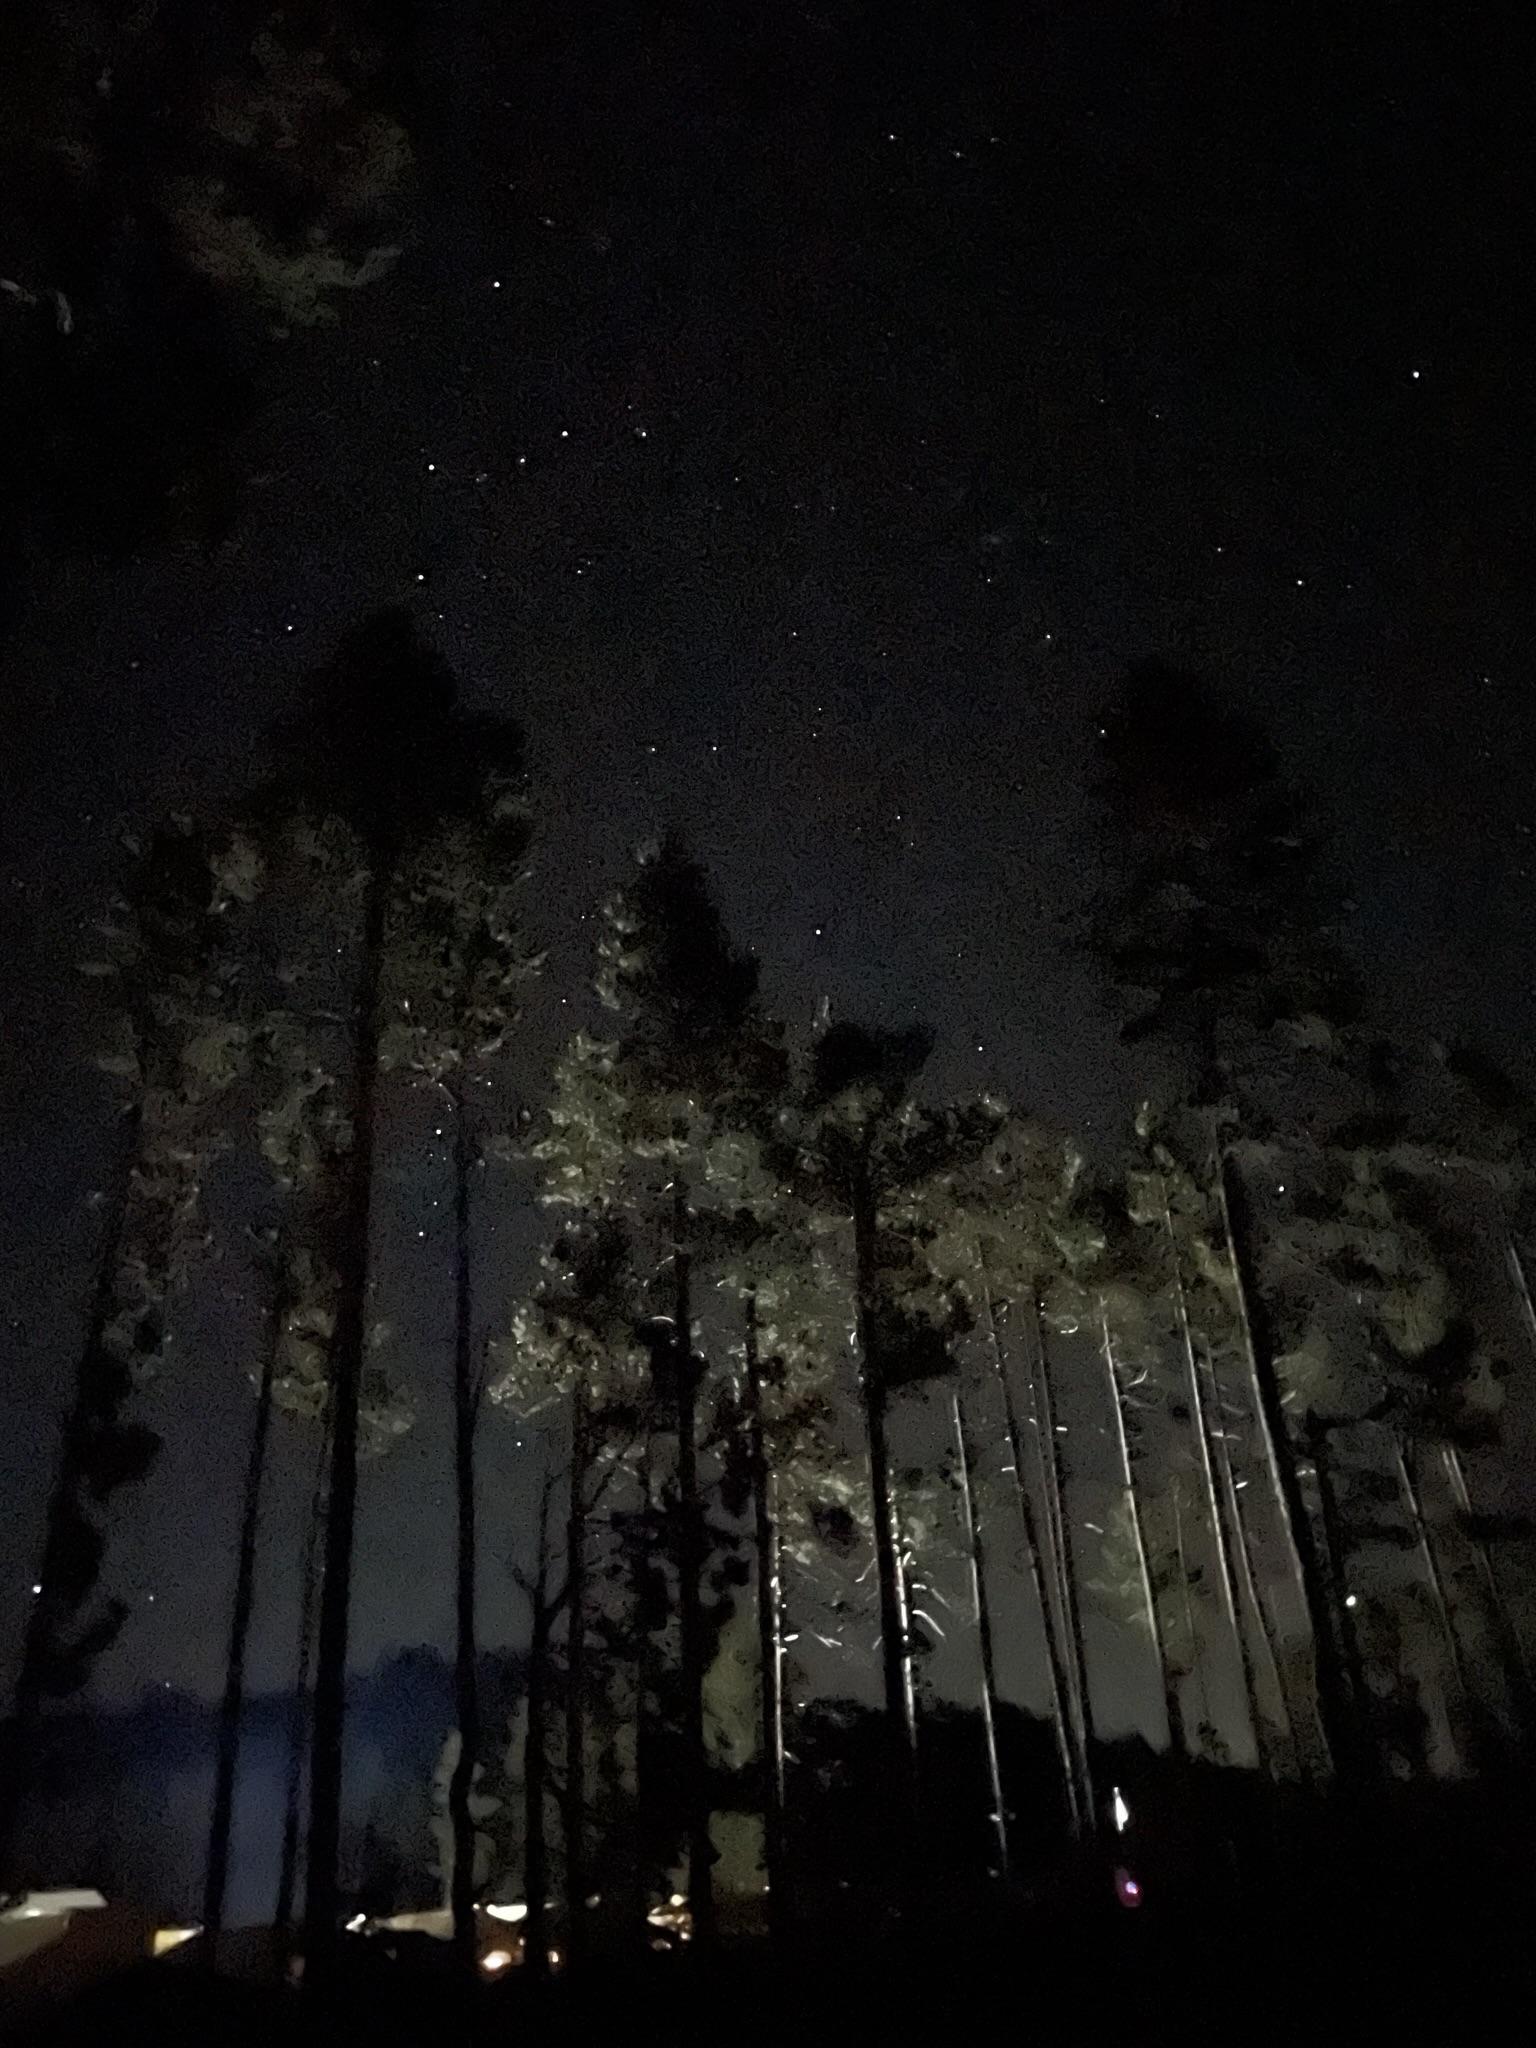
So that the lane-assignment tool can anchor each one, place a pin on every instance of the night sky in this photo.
(801, 418)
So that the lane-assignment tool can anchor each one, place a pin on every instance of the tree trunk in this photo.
(1335, 1721)
(1191, 1630)
(1220, 1540)
(96, 1390)
(466, 1670)
(1362, 1750)
(1516, 1670)
(232, 1705)
(322, 1894)
(1522, 1287)
(770, 1633)
(971, 1528)
(576, 1680)
(1435, 1581)
(299, 1706)
(690, 1573)
(1242, 1548)
(1055, 1659)
(1166, 1677)
(1054, 1469)
(895, 1619)
(536, 1754)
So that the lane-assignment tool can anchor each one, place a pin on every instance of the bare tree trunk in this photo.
(1054, 1474)
(770, 1632)
(466, 1667)
(1166, 1678)
(1433, 1578)
(971, 1527)
(536, 1751)
(1191, 1629)
(1333, 1566)
(1522, 1287)
(1335, 1721)
(895, 1616)
(576, 1679)
(1220, 1542)
(690, 1572)
(298, 1715)
(1055, 1658)
(96, 1388)
(1242, 1548)
(322, 1892)
(232, 1705)
(1517, 1672)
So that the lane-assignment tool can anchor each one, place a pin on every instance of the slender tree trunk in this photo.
(232, 1705)
(1333, 1709)
(1055, 1658)
(690, 1572)
(1053, 1466)
(895, 1618)
(96, 1384)
(1334, 1569)
(536, 1753)
(1516, 1670)
(576, 1680)
(647, 1676)
(1191, 1631)
(322, 1889)
(1166, 1678)
(1522, 1287)
(971, 1527)
(299, 1706)
(1220, 1540)
(1433, 1579)
(466, 1669)
(1242, 1550)
(770, 1633)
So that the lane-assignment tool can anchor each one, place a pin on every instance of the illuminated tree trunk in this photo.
(1220, 1537)
(895, 1617)
(971, 1529)
(1071, 1769)
(690, 1571)
(1433, 1578)
(1362, 1750)
(1516, 1670)
(232, 1705)
(770, 1632)
(1335, 1719)
(466, 1672)
(1054, 1473)
(1166, 1677)
(1242, 1551)
(576, 1678)
(1522, 1287)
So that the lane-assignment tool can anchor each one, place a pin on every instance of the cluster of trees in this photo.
(809, 1356)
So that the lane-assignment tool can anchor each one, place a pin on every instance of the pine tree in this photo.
(378, 751)
(458, 966)
(646, 1127)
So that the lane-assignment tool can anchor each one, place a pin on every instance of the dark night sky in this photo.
(800, 418)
